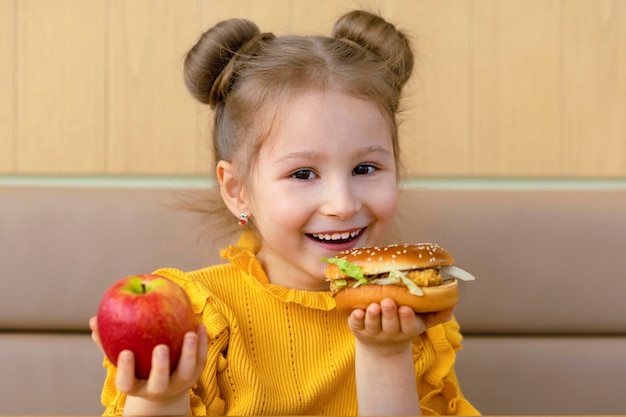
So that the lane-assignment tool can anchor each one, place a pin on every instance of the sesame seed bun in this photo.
(374, 261)
(380, 259)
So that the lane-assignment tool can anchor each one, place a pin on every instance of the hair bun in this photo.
(208, 75)
(381, 38)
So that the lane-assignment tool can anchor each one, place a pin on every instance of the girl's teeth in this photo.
(336, 236)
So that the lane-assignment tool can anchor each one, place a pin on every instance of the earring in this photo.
(243, 219)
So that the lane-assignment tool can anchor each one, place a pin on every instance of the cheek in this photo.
(384, 204)
(279, 207)
(383, 208)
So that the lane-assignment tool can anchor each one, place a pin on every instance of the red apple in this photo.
(139, 312)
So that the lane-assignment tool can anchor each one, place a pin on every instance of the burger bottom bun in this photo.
(435, 298)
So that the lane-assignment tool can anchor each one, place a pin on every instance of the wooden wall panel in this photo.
(506, 89)
(60, 84)
(315, 17)
(152, 119)
(593, 96)
(434, 129)
(269, 15)
(514, 110)
(7, 98)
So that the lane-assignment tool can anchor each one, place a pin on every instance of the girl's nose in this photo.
(340, 200)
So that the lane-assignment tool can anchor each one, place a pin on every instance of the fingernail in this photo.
(190, 339)
(161, 351)
(125, 356)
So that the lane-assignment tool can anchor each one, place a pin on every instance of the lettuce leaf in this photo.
(348, 268)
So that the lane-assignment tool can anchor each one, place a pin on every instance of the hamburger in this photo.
(422, 276)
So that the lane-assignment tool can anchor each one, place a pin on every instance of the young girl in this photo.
(305, 139)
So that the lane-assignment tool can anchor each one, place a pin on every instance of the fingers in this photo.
(356, 320)
(378, 319)
(392, 319)
(409, 321)
(203, 347)
(373, 319)
(159, 378)
(158, 381)
(188, 358)
(93, 325)
(162, 383)
(125, 376)
(388, 328)
(389, 318)
(195, 346)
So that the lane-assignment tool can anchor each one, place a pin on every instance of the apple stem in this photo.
(143, 288)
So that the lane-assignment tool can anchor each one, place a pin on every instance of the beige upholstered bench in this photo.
(544, 324)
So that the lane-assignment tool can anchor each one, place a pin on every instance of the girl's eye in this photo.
(363, 170)
(304, 174)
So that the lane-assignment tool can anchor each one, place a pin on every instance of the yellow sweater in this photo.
(278, 351)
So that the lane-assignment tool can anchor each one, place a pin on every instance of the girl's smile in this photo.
(336, 237)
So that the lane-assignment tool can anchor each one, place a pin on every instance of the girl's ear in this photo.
(232, 188)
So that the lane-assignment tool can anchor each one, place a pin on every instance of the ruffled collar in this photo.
(243, 256)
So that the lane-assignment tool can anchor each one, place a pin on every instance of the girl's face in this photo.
(325, 182)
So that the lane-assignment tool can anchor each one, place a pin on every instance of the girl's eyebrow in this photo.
(374, 149)
(299, 155)
(311, 155)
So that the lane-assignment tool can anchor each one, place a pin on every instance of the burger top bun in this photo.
(378, 260)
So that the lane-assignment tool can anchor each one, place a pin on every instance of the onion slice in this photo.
(396, 277)
(456, 272)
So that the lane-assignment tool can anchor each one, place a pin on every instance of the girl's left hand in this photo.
(388, 327)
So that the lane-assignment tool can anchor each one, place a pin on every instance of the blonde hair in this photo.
(245, 75)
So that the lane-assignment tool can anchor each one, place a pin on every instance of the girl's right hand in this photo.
(386, 327)
(163, 392)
